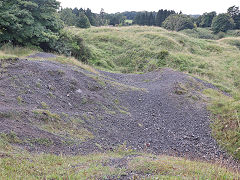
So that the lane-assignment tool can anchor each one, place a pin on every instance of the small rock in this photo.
(79, 91)
(49, 87)
(140, 125)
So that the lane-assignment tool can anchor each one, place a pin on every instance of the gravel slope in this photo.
(169, 118)
(162, 112)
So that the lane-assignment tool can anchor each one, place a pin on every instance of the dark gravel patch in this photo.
(169, 117)
(165, 122)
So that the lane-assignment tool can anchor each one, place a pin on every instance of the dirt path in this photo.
(163, 113)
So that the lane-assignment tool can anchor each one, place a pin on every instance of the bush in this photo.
(162, 55)
(222, 23)
(178, 22)
(201, 33)
(71, 45)
(221, 35)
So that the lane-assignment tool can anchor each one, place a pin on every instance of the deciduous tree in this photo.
(178, 22)
(32, 22)
(222, 23)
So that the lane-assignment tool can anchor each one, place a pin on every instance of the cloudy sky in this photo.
(186, 6)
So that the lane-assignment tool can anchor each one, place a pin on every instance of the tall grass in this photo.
(9, 51)
(140, 49)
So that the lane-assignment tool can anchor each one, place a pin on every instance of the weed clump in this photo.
(46, 115)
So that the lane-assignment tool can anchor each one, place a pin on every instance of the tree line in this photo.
(221, 22)
(152, 18)
(168, 19)
(85, 18)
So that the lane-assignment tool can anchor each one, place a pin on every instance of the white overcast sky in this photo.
(186, 6)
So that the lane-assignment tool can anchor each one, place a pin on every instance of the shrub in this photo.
(178, 22)
(221, 35)
(71, 45)
(163, 54)
(162, 58)
(222, 23)
(201, 33)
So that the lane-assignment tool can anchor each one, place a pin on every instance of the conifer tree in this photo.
(83, 21)
(151, 19)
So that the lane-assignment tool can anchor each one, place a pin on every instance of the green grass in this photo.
(140, 49)
(8, 51)
(226, 116)
(129, 21)
(201, 33)
(98, 166)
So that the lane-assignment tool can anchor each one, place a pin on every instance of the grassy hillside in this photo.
(140, 49)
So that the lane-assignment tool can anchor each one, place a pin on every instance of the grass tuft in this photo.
(226, 120)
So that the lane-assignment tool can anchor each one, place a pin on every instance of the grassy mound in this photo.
(140, 49)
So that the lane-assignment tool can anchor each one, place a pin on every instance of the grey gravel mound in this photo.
(169, 118)
(161, 112)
